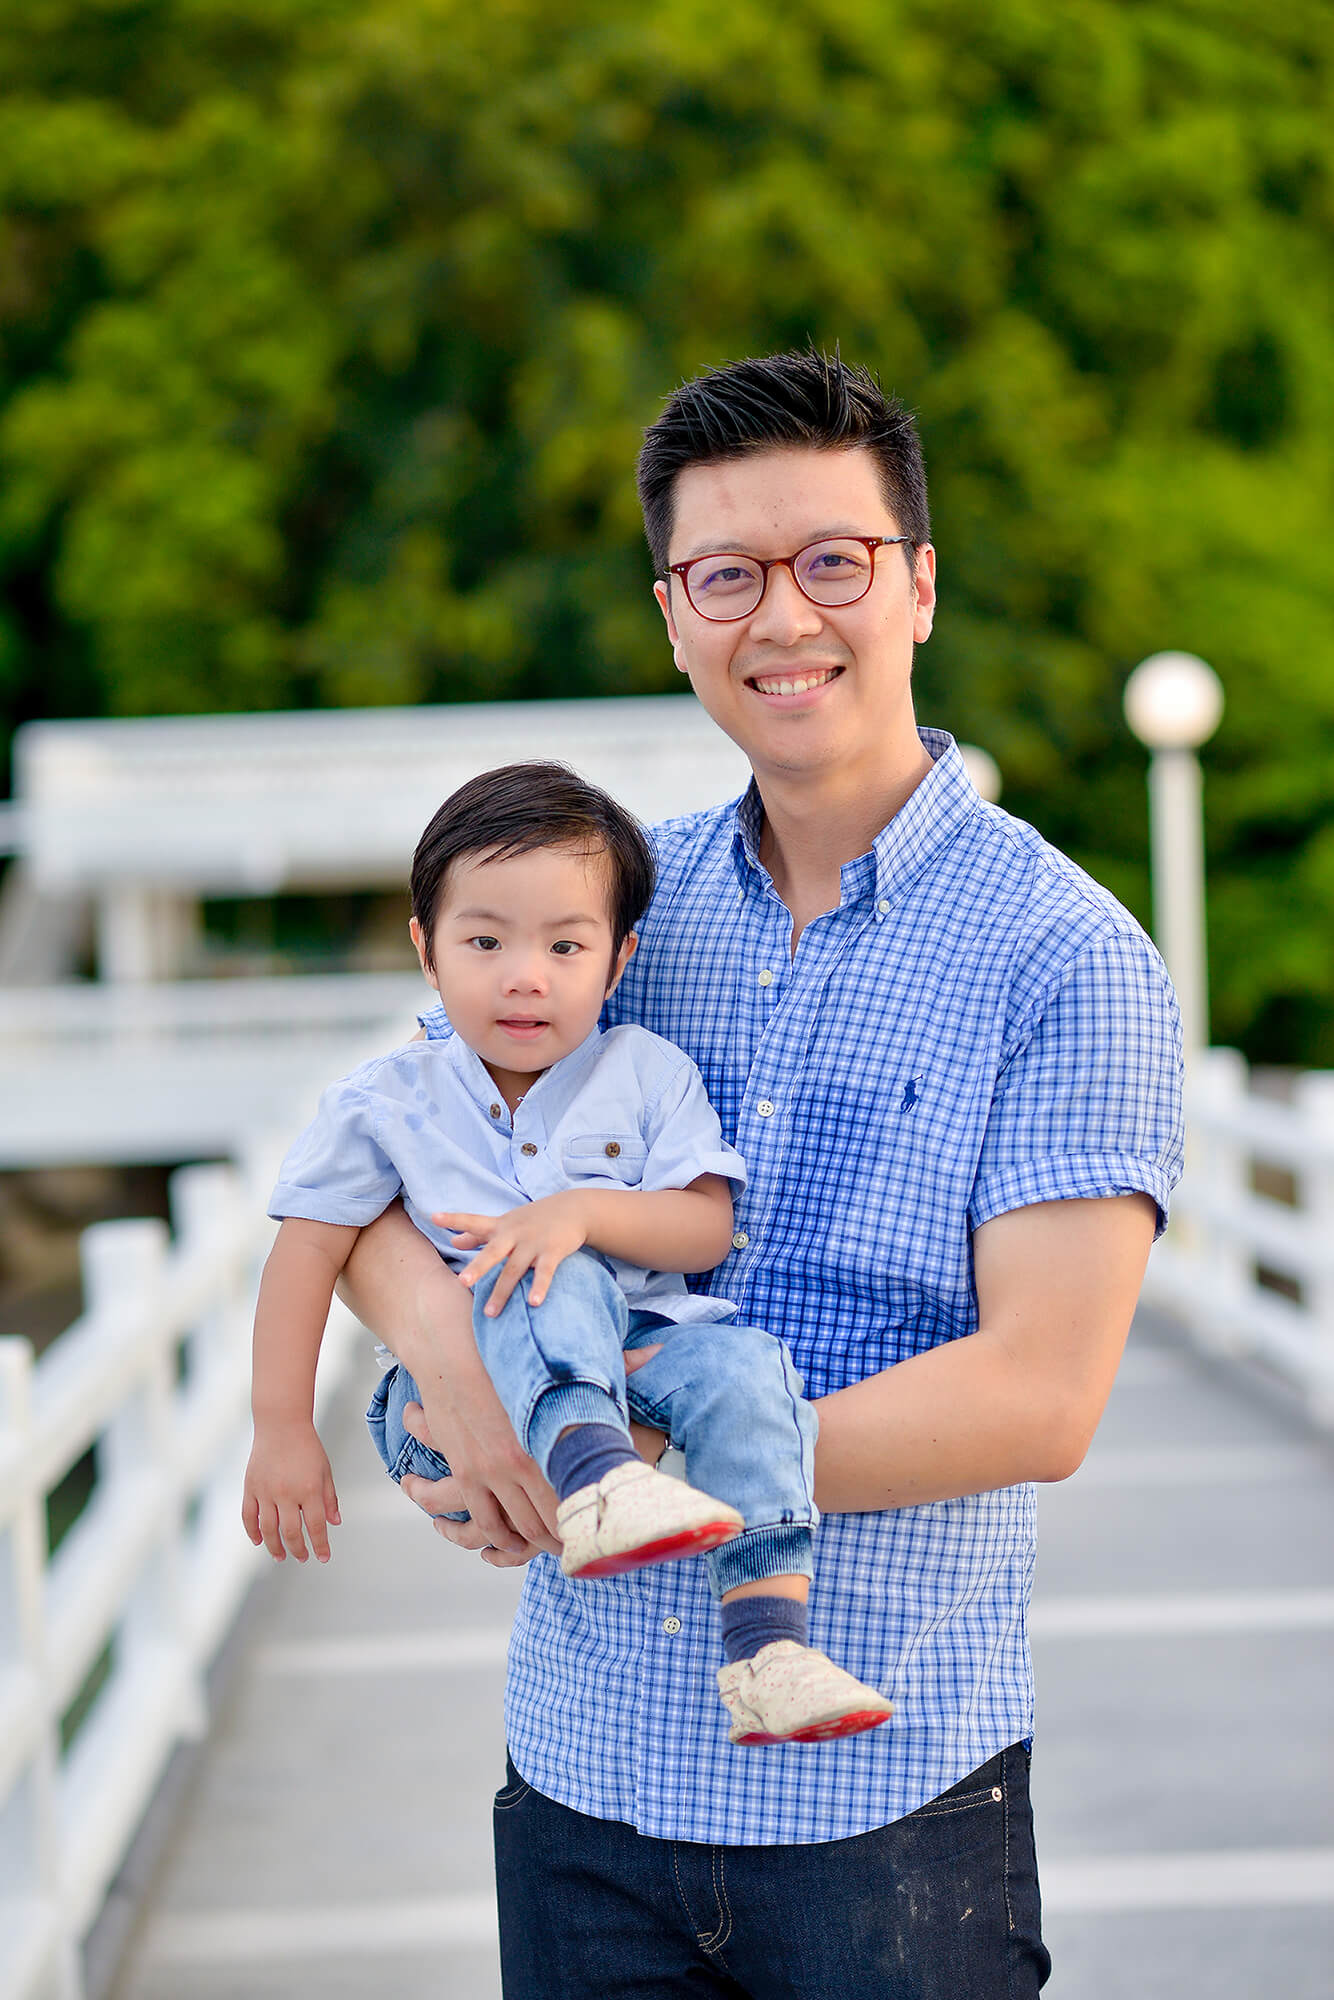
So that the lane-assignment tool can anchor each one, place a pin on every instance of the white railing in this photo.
(182, 1071)
(147, 1581)
(1247, 1270)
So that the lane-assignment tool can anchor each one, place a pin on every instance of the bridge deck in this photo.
(334, 1839)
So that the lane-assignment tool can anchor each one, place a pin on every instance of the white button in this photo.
(764, 1108)
(766, 977)
(740, 1240)
(997, 1794)
(671, 1625)
(883, 908)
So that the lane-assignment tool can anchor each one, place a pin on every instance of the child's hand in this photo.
(287, 1482)
(533, 1238)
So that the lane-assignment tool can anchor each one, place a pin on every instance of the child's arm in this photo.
(288, 1479)
(673, 1229)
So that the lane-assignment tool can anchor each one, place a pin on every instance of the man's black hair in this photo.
(809, 399)
(519, 808)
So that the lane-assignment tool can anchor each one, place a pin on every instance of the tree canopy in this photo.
(328, 330)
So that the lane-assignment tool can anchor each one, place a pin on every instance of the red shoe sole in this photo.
(824, 1732)
(694, 1542)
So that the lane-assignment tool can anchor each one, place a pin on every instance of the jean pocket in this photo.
(514, 1790)
(983, 1787)
(958, 1802)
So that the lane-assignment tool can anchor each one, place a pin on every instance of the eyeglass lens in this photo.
(833, 572)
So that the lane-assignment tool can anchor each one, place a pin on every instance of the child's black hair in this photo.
(519, 808)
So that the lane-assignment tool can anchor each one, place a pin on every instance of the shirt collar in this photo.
(554, 1087)
(922, 828)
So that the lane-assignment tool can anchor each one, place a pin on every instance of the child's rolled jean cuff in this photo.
(400, 1452)
(567, 1403)
(785, 1550)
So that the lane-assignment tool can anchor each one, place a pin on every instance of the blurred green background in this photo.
(328, 329)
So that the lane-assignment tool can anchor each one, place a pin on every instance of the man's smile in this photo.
(793, 681)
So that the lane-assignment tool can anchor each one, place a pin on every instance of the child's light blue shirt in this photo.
(626, 1109)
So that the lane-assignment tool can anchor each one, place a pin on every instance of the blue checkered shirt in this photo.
(977, 1026)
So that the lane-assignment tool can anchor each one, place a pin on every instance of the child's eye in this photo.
(485, 943)
(566, 947)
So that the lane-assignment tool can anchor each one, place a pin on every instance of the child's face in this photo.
(523, 956)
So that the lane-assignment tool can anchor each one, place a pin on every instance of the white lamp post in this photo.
(1174, 702)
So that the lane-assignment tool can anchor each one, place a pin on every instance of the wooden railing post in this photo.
(1315, 1105)
(1220, 1169)
(30, 1858)
(124, 1274)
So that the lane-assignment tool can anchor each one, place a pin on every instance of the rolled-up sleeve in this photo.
(684, 1137)
(1089, 1102)
(337, 1171)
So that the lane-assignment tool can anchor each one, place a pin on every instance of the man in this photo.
(951, 1062)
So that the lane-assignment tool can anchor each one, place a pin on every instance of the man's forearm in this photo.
(1019, 1399)
(397, 1285)
(955, 1420)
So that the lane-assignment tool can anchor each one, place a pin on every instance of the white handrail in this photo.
(148, 1580)
(348, 1001)
(1214, 1270)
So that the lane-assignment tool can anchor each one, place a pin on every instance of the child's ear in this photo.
(621, 960)
(419, 944)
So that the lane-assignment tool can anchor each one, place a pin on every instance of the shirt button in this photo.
(766, 977)
(495, 1111)
(671, 1626)
(528, 1147)
(740, 1240)
(764, 1108)
(883, 908)
(611, 1149)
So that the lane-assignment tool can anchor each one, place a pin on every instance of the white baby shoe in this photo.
(792, 1694)
(634, 1516)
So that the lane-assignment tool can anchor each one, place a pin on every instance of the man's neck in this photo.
(812, 827)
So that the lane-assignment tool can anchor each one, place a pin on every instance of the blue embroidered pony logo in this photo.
(910, 1091)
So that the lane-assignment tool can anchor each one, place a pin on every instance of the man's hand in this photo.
(535, 1237)
(289, 1482)
(513, 1508)
(492, 1531)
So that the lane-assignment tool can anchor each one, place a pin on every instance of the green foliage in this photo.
(328, 329)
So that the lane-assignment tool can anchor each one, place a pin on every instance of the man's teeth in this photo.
(797, 686)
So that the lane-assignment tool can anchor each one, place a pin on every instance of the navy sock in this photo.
(582, 1456)
(752, 1622)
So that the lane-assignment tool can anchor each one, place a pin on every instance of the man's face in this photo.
(806, 690)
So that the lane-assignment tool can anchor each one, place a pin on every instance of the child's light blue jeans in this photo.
(727, 1396)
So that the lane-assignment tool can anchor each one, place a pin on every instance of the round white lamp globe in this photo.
(983, 770)
(1173, 701)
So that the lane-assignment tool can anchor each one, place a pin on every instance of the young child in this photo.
(568, 1176)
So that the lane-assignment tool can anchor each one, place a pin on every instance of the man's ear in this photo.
(664, 596)
(621, 960)
(924, 593)
(419, 944)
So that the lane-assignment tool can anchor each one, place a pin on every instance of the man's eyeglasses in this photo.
(726, 587)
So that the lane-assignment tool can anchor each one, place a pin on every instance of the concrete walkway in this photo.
(334, 1838)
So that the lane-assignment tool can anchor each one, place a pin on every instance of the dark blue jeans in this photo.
(942, 1905)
